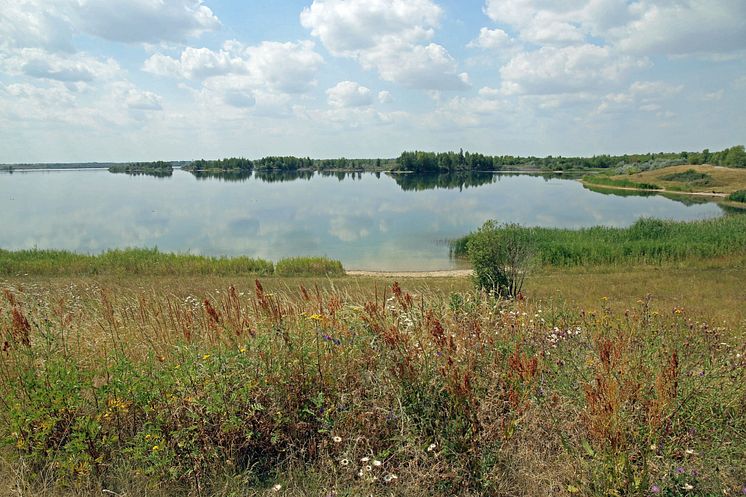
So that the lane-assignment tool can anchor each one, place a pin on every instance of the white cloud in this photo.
(388, 36)
(490, 39)
(567, 69)
(143, 100)
(670, 27)
(415, 66)
(679, 27)
(385, 97)
(349, 94)
(347, 27)
(69, 68)
(195, 63)
(34, 24)
(145, 21)
(286, 67)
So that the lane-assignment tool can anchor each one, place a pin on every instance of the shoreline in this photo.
(629, 188)
(439, 273)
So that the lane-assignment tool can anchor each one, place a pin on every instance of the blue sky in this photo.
(96, 80)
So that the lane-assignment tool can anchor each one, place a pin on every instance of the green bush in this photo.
(500, 256)
(309, 266)
(739, 196)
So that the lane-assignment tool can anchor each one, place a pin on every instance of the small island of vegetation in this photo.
(157, 169)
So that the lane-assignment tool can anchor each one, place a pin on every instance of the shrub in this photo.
(500, 256)
(309, 266)
(739, 196)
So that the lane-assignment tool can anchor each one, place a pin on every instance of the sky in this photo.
(127, 80)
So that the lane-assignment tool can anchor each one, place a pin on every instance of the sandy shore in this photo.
(450, 273)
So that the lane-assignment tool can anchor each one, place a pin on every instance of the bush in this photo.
(739, 196)
(309, 266)
(500, 256)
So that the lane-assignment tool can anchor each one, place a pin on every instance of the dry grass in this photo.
(724, 180)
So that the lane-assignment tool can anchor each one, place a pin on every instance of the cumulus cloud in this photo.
(566, 69)
(145, 21)
(388, 36)
(681, 27)
(143, 100)
(69, 68)
(385, 97)
(672, 27)
(490, 39)
(35, 24)
(349, 94)
(287, 67)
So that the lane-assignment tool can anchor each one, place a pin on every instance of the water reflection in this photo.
(368, 221)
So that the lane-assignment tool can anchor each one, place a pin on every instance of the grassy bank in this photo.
(618, 182)
(167, 386)
(648, 241)
(154, 262)
(683, 178)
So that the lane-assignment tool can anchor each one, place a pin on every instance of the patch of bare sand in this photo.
(451, 273)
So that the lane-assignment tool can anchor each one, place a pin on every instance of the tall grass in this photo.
(312, 391)
(152, 262)
(647, 241)
(308, 266)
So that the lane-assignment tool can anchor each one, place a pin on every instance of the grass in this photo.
(215, 385)
(692, 179)
(648, 241)
(309, 266)
(619, 182)
(154, 262)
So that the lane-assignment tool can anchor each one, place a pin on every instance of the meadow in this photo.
(599, 382)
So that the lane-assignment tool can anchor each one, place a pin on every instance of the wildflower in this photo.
(205, 357)
(679, 470)
(337, 439)
(655, 489)
(377, 463)
(315, 317)
(653, 447)
(431, 447)
(277, 488)
(155, 448)
(687, 487)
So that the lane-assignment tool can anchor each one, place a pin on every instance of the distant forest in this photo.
(419, 161)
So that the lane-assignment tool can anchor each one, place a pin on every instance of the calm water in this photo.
(368, 222)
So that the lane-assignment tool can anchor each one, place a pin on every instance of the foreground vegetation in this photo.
(353, 388)
(648, 241)
(153, 262)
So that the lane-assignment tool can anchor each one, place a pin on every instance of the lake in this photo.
(366, 220)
